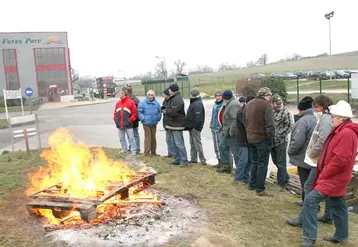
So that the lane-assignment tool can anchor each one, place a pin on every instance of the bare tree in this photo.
(85, 82)
(296, 56)
(263, 59)
(75, 76)
(226, 66)
(201, 69)
(179, 65)
(250, 64)
(160, 70)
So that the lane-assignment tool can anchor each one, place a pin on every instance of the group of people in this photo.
(323, 144)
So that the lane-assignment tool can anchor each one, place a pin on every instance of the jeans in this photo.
(279, 158)
(308, 189)
(303, 174)
(244, 165)
(260, 154)
(170, 143)
(310, 212)
(216, 138)
(131, 140)
(227, 146)
(137, 139)
(196, 148)
(180, 155)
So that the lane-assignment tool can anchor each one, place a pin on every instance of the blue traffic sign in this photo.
(29, 91)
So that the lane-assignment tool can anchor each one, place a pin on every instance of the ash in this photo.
(146, 225)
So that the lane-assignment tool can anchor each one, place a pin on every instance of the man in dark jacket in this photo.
(168, 137)
(125, 113)
(194, 122)
(242, 175)
(129, 92)
(334, 172)
(260, 131)
(175, 124)
(227, 143)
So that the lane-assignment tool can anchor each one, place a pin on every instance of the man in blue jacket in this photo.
(215, 126)
(149, 114)
(194, 122)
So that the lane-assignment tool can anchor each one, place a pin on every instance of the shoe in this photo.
(175, 163)
(308, 243)
(240, 182)
(204, 163)
(192, 162)
(146, 154)
(223, 170)
(137, 152)
(218, 165)
(250, 188)
(283, 188)
(294, 222)
(300, 204)
(184, 165)
(263, 193)
(155, 155)
(324, 220)
(168, 156)
(332, 239)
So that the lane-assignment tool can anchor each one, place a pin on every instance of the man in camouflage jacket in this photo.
(283, 126)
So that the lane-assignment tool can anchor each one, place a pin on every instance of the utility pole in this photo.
(328, 17)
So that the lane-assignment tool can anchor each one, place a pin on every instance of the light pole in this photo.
(328, 17)
(165, 68)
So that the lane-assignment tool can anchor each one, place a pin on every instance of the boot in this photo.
(294, 222)
(218, 165)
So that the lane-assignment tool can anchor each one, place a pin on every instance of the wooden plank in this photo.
(68, 198)
(33, 196)
(56, 204)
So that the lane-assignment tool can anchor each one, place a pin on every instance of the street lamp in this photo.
(165, 67)
(328, 17)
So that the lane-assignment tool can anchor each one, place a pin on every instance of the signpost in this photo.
(12, 94)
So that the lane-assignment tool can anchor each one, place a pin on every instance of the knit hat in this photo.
(342, 108)
(242, 99)
(227, 95)
(194, 92)
(166, 91)
(277, 99)
(305, 103)
(218, 92)
(128, 87)
(174, 87)
(249, 98)
(264, 91)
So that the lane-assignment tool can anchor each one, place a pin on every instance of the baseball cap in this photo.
(277, 99)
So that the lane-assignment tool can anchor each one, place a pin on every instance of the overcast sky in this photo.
(111, 35)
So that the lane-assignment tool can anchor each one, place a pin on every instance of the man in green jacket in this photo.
(228, 141)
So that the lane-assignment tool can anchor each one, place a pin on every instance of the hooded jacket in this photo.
(301, 134)
(214, 123)
(125, 113)
(335, 164)
(320, 133)
(229, 117)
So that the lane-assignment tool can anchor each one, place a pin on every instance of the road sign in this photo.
(104, 85)
(29, 92)
(12, 94)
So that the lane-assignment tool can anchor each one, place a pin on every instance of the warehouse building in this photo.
(36, 60)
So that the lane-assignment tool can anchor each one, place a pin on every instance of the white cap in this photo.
(342, 108)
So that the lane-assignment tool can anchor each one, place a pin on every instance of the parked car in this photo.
(274, 75)
(326, 75)
(301, 75)
(341, 74)
(313, 75)
(289, 76)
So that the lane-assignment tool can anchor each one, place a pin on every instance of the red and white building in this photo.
(36, 60)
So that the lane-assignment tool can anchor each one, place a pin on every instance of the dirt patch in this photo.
(179, 218)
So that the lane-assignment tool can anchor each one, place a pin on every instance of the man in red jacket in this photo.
(334, 172)
(125, 113)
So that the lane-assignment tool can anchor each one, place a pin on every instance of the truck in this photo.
(105, 84)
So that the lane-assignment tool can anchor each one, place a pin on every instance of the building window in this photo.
(10, 68)
(51, 69)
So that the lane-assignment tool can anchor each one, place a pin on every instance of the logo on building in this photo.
(53, 39)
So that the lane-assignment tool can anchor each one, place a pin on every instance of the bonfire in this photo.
(82, 186)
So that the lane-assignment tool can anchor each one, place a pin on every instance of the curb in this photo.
(17, 125)
(97, 103)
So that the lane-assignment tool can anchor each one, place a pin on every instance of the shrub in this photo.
(276, 85)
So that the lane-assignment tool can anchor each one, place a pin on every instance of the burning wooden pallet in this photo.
(295, 186)
(60, 204)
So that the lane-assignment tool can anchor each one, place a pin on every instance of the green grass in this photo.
(3, 122)
(292, 98)
(237, 216)
(18, 108)
(315, 85)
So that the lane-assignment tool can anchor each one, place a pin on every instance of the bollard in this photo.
(26, 140)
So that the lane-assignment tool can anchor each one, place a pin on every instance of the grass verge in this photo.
(3, 123)
(292, 98)
(18, 108)
(236, 213)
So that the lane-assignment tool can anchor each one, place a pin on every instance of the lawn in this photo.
(292, 98)
(18, 108)
(3, 122)
(237, 216)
